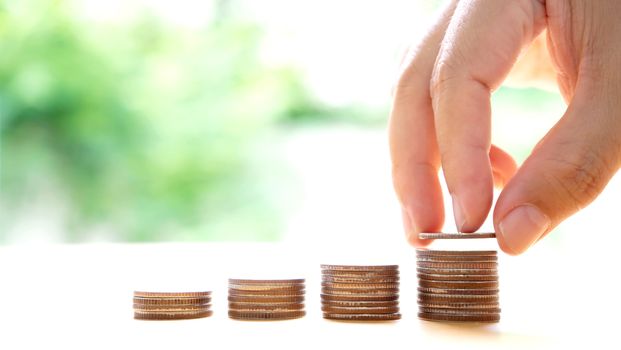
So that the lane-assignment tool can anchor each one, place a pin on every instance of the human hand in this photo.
(441, 116)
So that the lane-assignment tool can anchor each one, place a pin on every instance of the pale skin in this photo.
(441, 116)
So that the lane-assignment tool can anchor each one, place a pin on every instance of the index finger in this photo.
(413, 148)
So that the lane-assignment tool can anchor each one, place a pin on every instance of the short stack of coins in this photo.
(265, 300)
(458, 286)
(360, 293)
(171, 305)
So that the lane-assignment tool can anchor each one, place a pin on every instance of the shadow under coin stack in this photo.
(266, 300)
(360, 293)
(171, 305)
(457, 286)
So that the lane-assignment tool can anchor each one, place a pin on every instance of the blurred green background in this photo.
(132, 125)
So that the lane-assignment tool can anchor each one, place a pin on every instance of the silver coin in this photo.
(455, 235)
(459, 306)
(459, 318)
(361, 304)
(456, 278)
(465, 312)
(430, 252)
(443, 291)
(458, 284)
(357, 286)
(457, 258)
(438, 271)
(457, 265)
(359, 280)
(463, 298)
(365, 268)
(359, 292)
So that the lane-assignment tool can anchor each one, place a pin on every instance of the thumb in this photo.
(567, 170)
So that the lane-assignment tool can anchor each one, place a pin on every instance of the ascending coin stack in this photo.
(266, 299)
(360, 293)
(460, 286)
(171, 305)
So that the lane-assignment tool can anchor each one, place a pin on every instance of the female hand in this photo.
(441, 116)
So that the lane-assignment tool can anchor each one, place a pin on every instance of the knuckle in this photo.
(409, 79)
(578, 177)
(443, 74)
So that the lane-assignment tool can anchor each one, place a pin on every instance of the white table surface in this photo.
(80, 297)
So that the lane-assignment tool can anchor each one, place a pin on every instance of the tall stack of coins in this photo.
(171, 305)
(458, 286)
(360, 293)
(256, 300)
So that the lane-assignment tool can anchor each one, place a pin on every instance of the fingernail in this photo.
(522, 227)
(458, 213)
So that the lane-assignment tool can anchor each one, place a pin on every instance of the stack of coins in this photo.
(360, 293)
(171, 305)
(256, 300)
(459, 286)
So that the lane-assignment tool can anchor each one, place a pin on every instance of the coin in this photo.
(463, 312)
(360, 293)
(359, 310)
(266, 288)
(456, 278)
(460, 306)
(267, 309)
(359, 297)
(238, 292)
(359, 280)
(438, 271)
(257, 300)
(360, 267)
(456, 235)
(266, 282)
(265, 306)
(458, 284)
(459, 318)
(457, 265)
(362, 317)
(259, 316)
(361, 274)
(342, 303)
(455, 258)
(429, 252)
(156, 308)
(343, 291)
(171, 315)
(171, 301)
(177, 295)
(170, 311)
(470, 298)
(266, 299)
(358, 286)
(443, 291)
